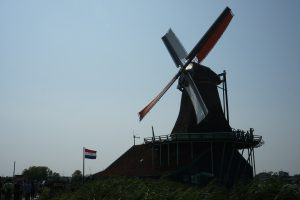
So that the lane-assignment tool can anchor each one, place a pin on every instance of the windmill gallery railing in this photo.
(227, 143)
(241, 138)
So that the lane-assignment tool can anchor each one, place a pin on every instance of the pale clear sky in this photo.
(75, 73)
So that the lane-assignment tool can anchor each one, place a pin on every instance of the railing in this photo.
(237, 136)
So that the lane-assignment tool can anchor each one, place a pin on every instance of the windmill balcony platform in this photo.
(240, 139)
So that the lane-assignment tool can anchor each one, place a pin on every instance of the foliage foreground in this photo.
(135, 188)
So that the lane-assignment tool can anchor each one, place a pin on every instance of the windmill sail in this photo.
(201, 49)
(175, 48)
(199, 106)
(145, 110)
(211, 37)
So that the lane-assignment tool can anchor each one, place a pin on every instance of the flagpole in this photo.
(83, 157)
(14, 169)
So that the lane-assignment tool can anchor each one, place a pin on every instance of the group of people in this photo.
(244, 136)
(18, 190)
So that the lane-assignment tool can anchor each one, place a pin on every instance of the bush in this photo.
(152, 189)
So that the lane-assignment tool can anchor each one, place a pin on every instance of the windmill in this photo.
(202, 141)
(202, 145)
(183, 61)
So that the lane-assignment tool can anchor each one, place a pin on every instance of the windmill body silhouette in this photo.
(202, 146)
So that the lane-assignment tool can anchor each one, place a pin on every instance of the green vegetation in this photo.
(135, 188)
(39, 173)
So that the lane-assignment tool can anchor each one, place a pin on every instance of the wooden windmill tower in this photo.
(202, 145)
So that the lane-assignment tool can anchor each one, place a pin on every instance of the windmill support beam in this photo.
(177, 153)
(224, 100)
(192, 150)
(160, 155)
(251, 162)
(222, 159)
(153, 156)
(168, 154)
(239, 164)
(249, 156)
(212, 157)
(229, 165)
(226, 96)
(254, 169)
(248, 159)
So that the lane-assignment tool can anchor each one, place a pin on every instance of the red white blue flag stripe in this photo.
(90, 154)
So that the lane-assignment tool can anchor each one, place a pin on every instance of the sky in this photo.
(74, 74)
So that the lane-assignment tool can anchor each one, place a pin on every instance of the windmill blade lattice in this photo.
(200, 51)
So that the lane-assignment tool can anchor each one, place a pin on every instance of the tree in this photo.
(76, 180)
(54, 177)
(38, 173)
(76, 176)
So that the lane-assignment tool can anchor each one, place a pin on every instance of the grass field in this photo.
(135, 188)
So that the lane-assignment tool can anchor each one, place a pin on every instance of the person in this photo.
(27, 189)
(1, 185)
(251, 133)
(33, 190)
(8, 190)
(17, 191)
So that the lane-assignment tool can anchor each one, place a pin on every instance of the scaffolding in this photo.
(216, 146)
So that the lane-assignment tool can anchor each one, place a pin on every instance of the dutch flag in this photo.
(89, 154)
